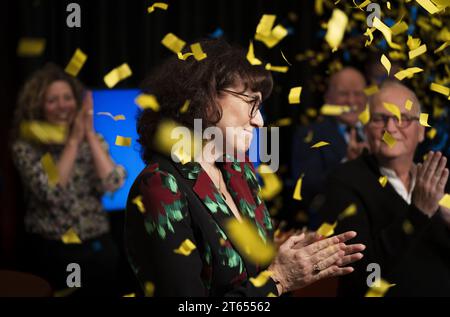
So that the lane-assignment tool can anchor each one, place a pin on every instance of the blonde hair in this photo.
(32, 95)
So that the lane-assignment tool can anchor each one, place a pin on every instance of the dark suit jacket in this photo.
(418, 262)
(181, 202)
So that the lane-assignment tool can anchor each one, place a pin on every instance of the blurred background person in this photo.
(64, 219)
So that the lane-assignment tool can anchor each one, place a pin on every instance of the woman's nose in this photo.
(258, 120)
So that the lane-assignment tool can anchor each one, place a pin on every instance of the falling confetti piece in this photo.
(271, 295)
(432, 133)
(280, 69)
(70, 237)
(122, 141)
(364, 116)
(251, 56)
(408, 105)
(248, 241)
(197, 50)
(294, 95)
(418, 51)
(272, 184)
(386, 31)
(117, 74)
(326, 229)
(76, 63)
(336, 28)
(264, 32)
(399, 28)
(185, 248)
(408, 227)
(284, 57)
(184, 56)
(185, 106)
(409, 72)
(383, 180)
(440, 89)
(130, 295)
(423, 119)
(348, 212)
(173, 43)
(334, 110)
(138, 202)
(109, 114)
(50, 169)
(30, 47)
(308, 138)
(369, 91)
(145, 101)
(386, 63)
(265, 24)
(149, 289)
(389, 139)
(379, 288)
(43, 132)
(261, 279)
(392, 108)
(442, 47)
(428, 5)
(159, 5)
(445, 201)
(319, 144)
(298, 188)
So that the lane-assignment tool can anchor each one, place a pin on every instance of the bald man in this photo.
(346, 88)
(406, 232)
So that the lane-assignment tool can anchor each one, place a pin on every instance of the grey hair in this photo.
(391, 83)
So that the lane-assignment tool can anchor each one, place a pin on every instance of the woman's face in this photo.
(237, 123)
(59, 105)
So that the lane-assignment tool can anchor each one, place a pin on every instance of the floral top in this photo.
(51, 209)
(180, 202)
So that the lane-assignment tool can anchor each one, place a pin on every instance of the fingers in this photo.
(347, 259)
(430, 168)
(353, 248)
(443, 180)
(310, 237)
(319, 245)
(330, 260)
(292, 241)
(326, 253)
(333, 270)
(346, 236)
(353, 136)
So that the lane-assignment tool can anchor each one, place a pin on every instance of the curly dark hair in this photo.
(200, 82)
(30, 104)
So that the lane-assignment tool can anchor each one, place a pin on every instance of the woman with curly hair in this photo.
(65, 169)
(178, 236)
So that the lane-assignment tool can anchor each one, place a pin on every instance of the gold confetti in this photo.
(364, 116)
(418, 51)
(334, 110)
(407, 227)
(440, 89)
(432, 133)
(319, 144)
(76, 63)
(145, 101)
(265, 24)
(272, 184)
(70, 237)
(271, 295)
(173, 43)
(383, 180)
(442, 47)
(117, 74)
(159, 5)
(428, 5)
(298, 188)
(284, 57)
(138, 202)
(373, 89)
(362, 5)
(388, 4)
(282, 122)
(261, 279)
(392, 108)
(185, 106)
(386, 31)
(294, 95)
(336, 28)
(409, 72)
(122, 141)
(264, 32)
(399, 27)
(130, 295)
(423, 119)
(248, 241)
(185, 248)
(50, 169)
(251, 56)
(149, 289)
(184, 56)
(389, 139)
(379, 288)
(348, 212)
(408, 105)
(281, 69)
(196, 49)
(445, 201)
(326, 229)
(43, 132)
(308, 138)
(30, 47)
(115, 118)
(386, 63)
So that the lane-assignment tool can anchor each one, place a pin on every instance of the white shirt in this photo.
(395, 181)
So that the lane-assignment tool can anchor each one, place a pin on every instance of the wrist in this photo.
(276, 277)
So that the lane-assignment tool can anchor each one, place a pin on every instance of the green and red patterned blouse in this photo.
(179, 202)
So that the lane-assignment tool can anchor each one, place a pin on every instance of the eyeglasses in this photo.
(254, 102)
(380, 120)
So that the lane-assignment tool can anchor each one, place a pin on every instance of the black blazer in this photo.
(180, 203)
(417, 260)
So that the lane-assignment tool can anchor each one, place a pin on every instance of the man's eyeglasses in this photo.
(254, 102)
(381, 120)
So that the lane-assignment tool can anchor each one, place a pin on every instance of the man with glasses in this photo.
(395, 204)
